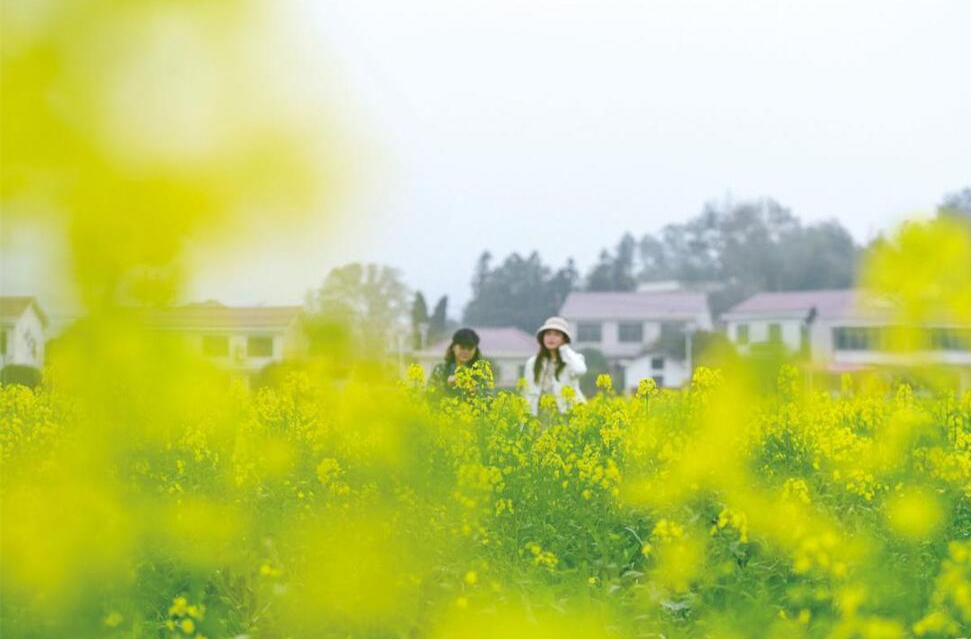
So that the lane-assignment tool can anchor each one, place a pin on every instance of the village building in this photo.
(844, 331)
(507, 348)
(641, 334)
(22, 332)
(242, 339)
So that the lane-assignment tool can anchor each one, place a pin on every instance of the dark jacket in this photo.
(481, 380)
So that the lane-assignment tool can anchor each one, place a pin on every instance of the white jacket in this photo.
(575, 367)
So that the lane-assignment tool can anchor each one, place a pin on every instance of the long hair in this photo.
(450, 355)
(543, 355)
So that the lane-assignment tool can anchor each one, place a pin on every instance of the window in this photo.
(3, 342)
(858, 338)
(657, 363)
(804, 339)
(215, 345)
(521, 372)
(659, 380)
(775, 333)
(950, 339)
(589, 333)
(259, 346)
(631, 332)
(741, 334)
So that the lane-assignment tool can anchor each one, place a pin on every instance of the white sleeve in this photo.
(532, 391)
(575, 361)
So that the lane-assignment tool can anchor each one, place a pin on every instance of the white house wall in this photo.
(872, 357)
(238, 357)
(823, 349)
(610, 344)
(25, 340)
(294, 343)
(758, 331)
(675, 372)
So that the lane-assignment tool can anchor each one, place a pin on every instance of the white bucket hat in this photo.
(557, 324)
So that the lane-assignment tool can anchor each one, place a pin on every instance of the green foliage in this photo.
(739, 249)
(519, 292)
(597, 365)
(22, 374)
(439, 324)
(710, 348)
(307, 509)
(957, 204)
(419, 321)
(427, 329)
(368, 301)
(615, 271)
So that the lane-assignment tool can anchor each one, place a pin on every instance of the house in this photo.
(243, 339)
(23, 326)
(507, 348)
(839, 331)
(642, 334)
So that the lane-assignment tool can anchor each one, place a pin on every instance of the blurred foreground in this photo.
(180, 507)
(145, 493)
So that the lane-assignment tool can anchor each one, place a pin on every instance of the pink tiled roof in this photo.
(828, 301)
(633, 305)
(829, 304)
(12, 307)
(493, 340)
(211, 316)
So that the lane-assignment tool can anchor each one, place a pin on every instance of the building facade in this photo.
(838, 331)
(641, 334)
(242, 339)
(23, 327)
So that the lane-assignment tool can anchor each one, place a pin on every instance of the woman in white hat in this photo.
(556, 366)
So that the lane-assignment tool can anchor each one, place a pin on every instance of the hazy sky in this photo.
(514, 125)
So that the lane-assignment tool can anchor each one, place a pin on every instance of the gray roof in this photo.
(216, 316)
(505, 340)
(13, 307)
(634, 305)
(828, 304)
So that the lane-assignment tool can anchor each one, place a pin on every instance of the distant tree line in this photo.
(731, 250)
(957, 205)
(518, 292)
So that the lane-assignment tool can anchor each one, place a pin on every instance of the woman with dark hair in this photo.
(555, 367)
(462, 352)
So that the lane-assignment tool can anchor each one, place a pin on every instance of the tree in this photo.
(747, 247)
(419, 321)
(957, 202)
(957, 206)
(428, 329)
(367, 301)
(819, 256)
(598, 279)
(519, 292)
(481, 277)
(438, 324)
(615, 271)
(563, 282)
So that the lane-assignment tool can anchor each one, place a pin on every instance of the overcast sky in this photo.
(514, 125)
